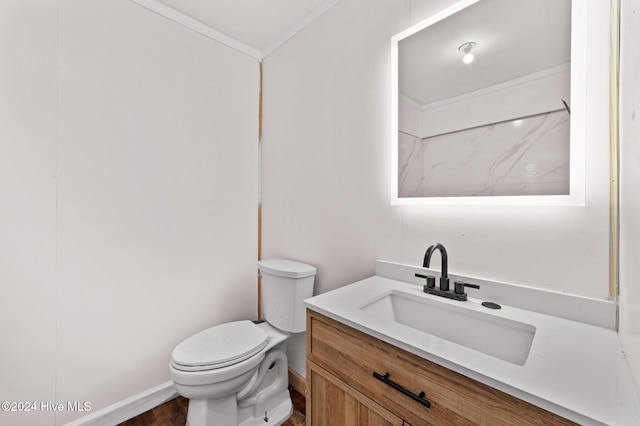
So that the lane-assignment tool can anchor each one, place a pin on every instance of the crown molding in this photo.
(306, 20)
(195, 25)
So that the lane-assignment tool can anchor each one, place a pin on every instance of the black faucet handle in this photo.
(431, 280)
(458, 286)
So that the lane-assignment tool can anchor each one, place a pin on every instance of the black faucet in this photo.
(444, 277)
(458, 292)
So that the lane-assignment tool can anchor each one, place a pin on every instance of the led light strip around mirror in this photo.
(576, 195)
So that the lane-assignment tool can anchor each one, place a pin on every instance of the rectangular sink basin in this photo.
(498, 337)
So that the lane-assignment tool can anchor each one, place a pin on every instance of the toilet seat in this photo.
(220, 346)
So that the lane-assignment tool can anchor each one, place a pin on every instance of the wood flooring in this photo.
(174, 413)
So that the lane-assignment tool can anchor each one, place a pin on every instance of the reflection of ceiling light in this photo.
(466, 48)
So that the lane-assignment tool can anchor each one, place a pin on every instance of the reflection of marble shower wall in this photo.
(519, 157)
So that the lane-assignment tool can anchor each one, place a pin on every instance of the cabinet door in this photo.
(331, 402)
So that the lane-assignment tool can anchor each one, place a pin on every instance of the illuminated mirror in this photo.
(488, 105)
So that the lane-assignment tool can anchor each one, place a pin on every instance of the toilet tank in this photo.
(285, 284)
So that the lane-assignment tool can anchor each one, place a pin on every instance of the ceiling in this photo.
(253, 27)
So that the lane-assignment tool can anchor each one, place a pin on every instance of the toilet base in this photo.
(200, 412)
(212, 412)
(279, 412)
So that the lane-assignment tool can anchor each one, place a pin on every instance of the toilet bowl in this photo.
(236, 373)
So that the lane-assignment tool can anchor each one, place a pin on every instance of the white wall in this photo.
(325, 175)
(630, 185)
(128, 165)
(28, 113)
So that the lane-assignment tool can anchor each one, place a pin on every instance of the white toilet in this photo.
(236, 373)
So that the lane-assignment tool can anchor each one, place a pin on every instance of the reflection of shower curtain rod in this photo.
(488, 124)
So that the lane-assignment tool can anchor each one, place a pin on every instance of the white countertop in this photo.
(574, 369)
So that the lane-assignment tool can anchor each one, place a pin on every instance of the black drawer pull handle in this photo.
(418, 398)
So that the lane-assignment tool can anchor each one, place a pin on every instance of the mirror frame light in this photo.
(576, 195)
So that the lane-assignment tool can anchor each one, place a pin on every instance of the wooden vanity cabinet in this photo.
(334, 403)
(342, 389)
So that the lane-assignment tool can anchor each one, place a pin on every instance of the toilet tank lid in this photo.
(286, 268)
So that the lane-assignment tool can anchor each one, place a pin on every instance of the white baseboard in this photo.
(129, 408)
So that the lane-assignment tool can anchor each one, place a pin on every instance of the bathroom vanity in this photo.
(372, 360)
(343, 390)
